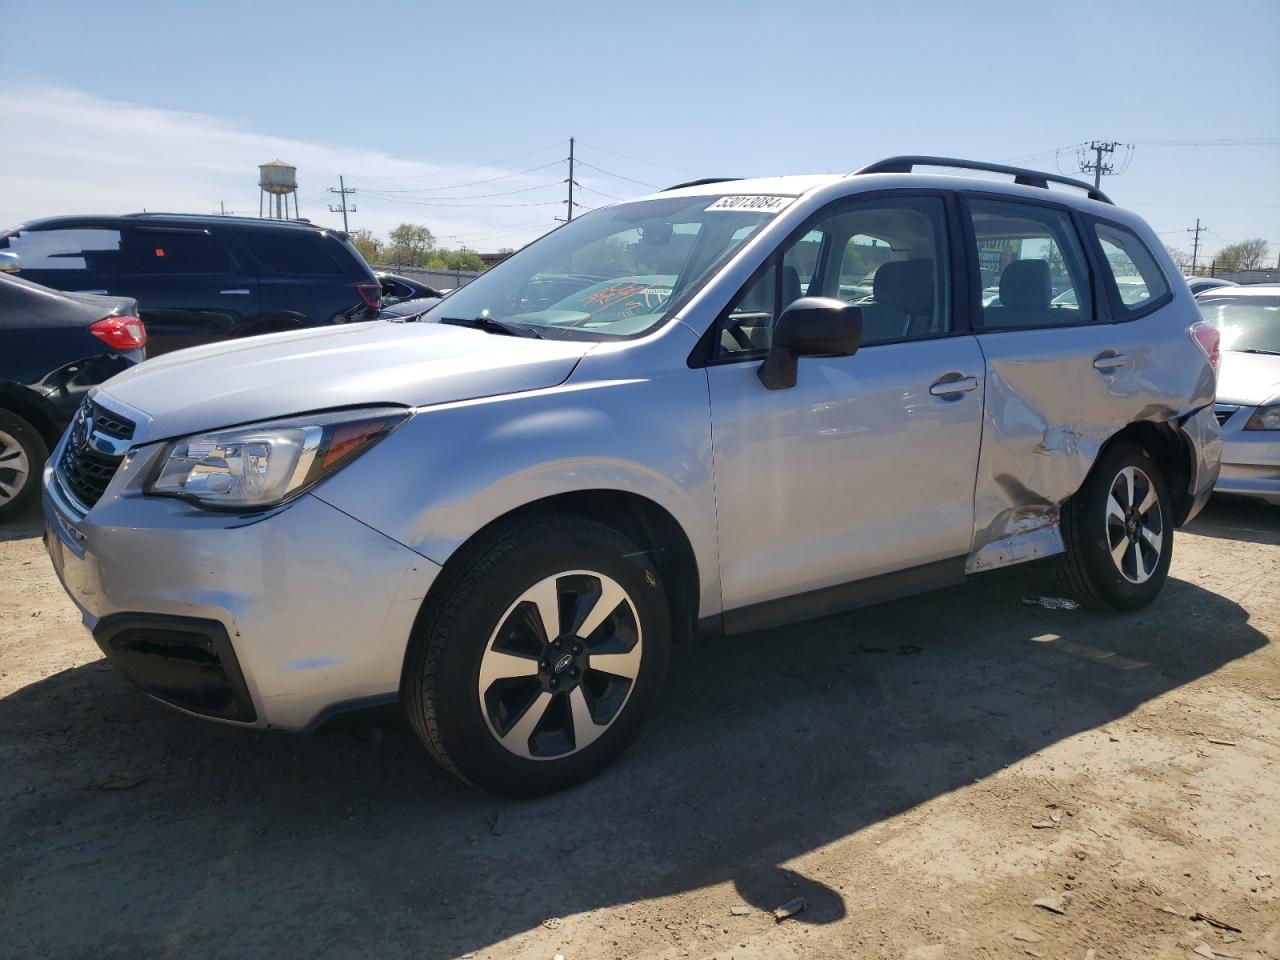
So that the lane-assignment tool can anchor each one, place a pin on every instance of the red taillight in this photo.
(1210, 340)
(370, 293)
(121, 333)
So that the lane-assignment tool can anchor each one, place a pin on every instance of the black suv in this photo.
(198, 279)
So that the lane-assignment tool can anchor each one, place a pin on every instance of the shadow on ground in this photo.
(133, 831)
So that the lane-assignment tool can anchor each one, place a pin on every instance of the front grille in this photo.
(1224, 412)
(112, 424)
(85, 470)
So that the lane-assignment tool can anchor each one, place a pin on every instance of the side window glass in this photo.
(1033, 267)
(889, 257)
(89, 249)
(170, 252)
(295, 252)
(1136, 276)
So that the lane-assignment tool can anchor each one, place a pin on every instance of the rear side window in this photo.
(1133, 274)
(292, 251)
(1032, 264)
(170, 252)
(80, 248)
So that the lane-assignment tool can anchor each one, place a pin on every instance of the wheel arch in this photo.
(642, 520)
(1171, 450)
(34, 409)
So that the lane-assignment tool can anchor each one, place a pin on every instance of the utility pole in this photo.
(1096, 166)
(569, 215)
(342, 191)
(1195, 244)
(223, 207)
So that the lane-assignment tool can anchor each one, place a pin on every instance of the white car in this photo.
(1248, 408)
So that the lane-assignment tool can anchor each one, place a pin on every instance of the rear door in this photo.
(866, 466)
(307, 278)
(191, 289)
(1064, 369)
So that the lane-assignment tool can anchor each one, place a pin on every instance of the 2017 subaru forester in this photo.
(767, 400)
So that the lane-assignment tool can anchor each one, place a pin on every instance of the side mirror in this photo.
(9, 262)
(810, 327)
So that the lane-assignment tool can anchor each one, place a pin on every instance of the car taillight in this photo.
(121, 333)
(370, 293)
(1210, 340)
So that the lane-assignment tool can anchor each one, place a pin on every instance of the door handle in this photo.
(945, 388)
(245, 292)
(1109, 361)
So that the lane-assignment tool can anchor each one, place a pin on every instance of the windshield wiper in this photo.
(490, 325)
(1268, 353)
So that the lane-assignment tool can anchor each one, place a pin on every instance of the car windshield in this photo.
(613, 273)
(1247, 324)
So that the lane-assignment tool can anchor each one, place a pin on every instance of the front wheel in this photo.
(540, 658)
(1118, 532)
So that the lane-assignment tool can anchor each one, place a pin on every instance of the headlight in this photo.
(262, 465)
(1265, 418)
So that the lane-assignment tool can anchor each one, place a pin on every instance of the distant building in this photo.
(493, 259)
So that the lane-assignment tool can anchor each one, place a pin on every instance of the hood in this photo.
(1248, 378)
(279, 375)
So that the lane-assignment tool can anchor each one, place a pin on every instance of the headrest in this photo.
(1025, 283)
(906, 285)
(791, 291)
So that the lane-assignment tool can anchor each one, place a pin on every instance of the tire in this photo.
(1118, 532)
(479, 666)
(22, 456)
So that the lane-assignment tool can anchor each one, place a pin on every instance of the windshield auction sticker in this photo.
(759, 204)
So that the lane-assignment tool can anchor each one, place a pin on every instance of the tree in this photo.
(1181, 258)
(370, 246)
(1245, 255)
(410, 245)
(443, 259)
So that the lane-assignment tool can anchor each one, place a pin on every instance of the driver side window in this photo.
(887, 256)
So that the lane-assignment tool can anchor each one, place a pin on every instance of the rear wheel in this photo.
(1118, 533)
(541, 657)
(22, 456)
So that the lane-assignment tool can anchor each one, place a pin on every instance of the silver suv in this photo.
(723, 407)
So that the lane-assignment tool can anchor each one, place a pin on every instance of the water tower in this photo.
(277, 181)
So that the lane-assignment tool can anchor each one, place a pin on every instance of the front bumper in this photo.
(264, 620)
(1250, 458)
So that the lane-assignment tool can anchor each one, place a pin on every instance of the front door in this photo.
(866, 466)
(190, 289)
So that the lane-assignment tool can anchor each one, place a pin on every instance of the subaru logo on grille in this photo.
(83, 428)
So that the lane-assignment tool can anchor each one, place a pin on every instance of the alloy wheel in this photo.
(1134, 525)
(14, 467)
(560, 665)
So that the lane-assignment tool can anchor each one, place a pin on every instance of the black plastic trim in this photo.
(1021, 175)
(1120, 311)
(180, 682)
(826, 601)
(700, 183)
(358, 714)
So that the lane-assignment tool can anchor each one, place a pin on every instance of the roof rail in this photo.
(700, 183)
(1022, 175)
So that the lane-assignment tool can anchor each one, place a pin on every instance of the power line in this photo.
(475, 183)
(610, 173)
(1225, 142)
(462, 206)
(477, 166)
(655, 163)
(385, 194)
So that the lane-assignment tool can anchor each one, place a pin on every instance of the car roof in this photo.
(167, 219)
(800, 185)
(1244, 290)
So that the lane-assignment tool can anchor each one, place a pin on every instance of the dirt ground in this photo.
(921, 773)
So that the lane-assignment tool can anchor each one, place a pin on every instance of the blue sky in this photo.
(169, 105)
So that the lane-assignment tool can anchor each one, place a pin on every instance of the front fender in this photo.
(453, 469)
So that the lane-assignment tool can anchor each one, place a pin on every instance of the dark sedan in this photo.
(53, 348)
(397, 289)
